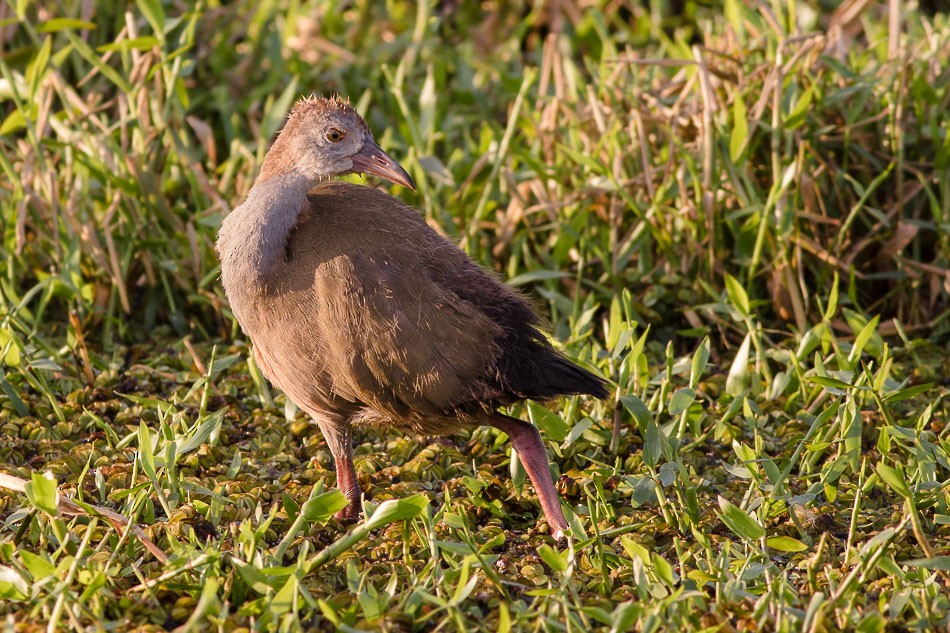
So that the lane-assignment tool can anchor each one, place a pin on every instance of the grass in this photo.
(738, 213)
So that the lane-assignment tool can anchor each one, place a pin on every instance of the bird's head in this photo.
(326, 137)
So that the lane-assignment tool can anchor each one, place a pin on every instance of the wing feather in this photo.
(399, 342)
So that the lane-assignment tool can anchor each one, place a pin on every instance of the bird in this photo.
(366, 317)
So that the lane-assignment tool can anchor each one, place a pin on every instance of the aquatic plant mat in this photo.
(738, 212)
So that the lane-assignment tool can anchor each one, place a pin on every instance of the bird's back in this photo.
(373, 315)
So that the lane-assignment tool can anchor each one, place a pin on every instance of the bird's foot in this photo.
(559, 532)
(349, 514)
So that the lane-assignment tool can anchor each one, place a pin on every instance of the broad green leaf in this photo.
(811, 339)
(284, 599)
(556, 560)
(254, 577)
(937, 563)
(62, 24)
(14, 121)
(780, 383)
(909, 392)
(614, 323)
(9, 346)
(329, 612)
(744, 452)
(274, 115)
(37, 68)
(644, 491)
(43, 492)
(858, 322)
(144, 43)
(398, 510)
(862, 339)
(852, 424)
(828, 381)
(832, 306)
(700, 359)
(516, 470)
(738, 379)
(427, 106)
(740, 128)
(663, 569)
(802, 105)
(504, 618)
(681, 400)
(700, 577)
(201, 435)
(737, 296)
(552, 424)
(154, 12)
(743, 524)
(320, 508)
(577, 430)
(235, 466)
(880, 540)
(623, 617)
(38, 566)
(97, 582)
(641, 414)
(453, 520)
(536, 275)
(291, 507)
(634, 549)
(465, 584)
(894, 478)
(146, 451)
(786, 544)
(771, 470)
(653, 443)
(12, 585)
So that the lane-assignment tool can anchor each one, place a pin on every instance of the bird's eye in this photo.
(334, 135)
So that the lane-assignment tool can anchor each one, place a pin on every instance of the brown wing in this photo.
(398, 341)
(374, 324)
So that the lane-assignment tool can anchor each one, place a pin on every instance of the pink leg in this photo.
(526, 440)
(349, 485)
(338, 440)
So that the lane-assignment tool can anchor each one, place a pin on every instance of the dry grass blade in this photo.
(68, 507)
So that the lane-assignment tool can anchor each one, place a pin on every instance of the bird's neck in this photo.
(253, 237)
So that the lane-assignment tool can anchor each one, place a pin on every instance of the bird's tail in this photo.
(562, 377)
(545, 374)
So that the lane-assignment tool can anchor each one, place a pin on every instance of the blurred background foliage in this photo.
(596, 147)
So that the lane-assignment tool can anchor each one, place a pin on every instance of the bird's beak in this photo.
(373, 160)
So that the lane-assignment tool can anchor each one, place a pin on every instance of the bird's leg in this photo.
(526, 440)
(348, 484)
(337, 435)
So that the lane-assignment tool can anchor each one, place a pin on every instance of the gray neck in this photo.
(253, 237)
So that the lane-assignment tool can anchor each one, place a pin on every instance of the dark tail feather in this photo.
(546, 375)
(561, 376)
